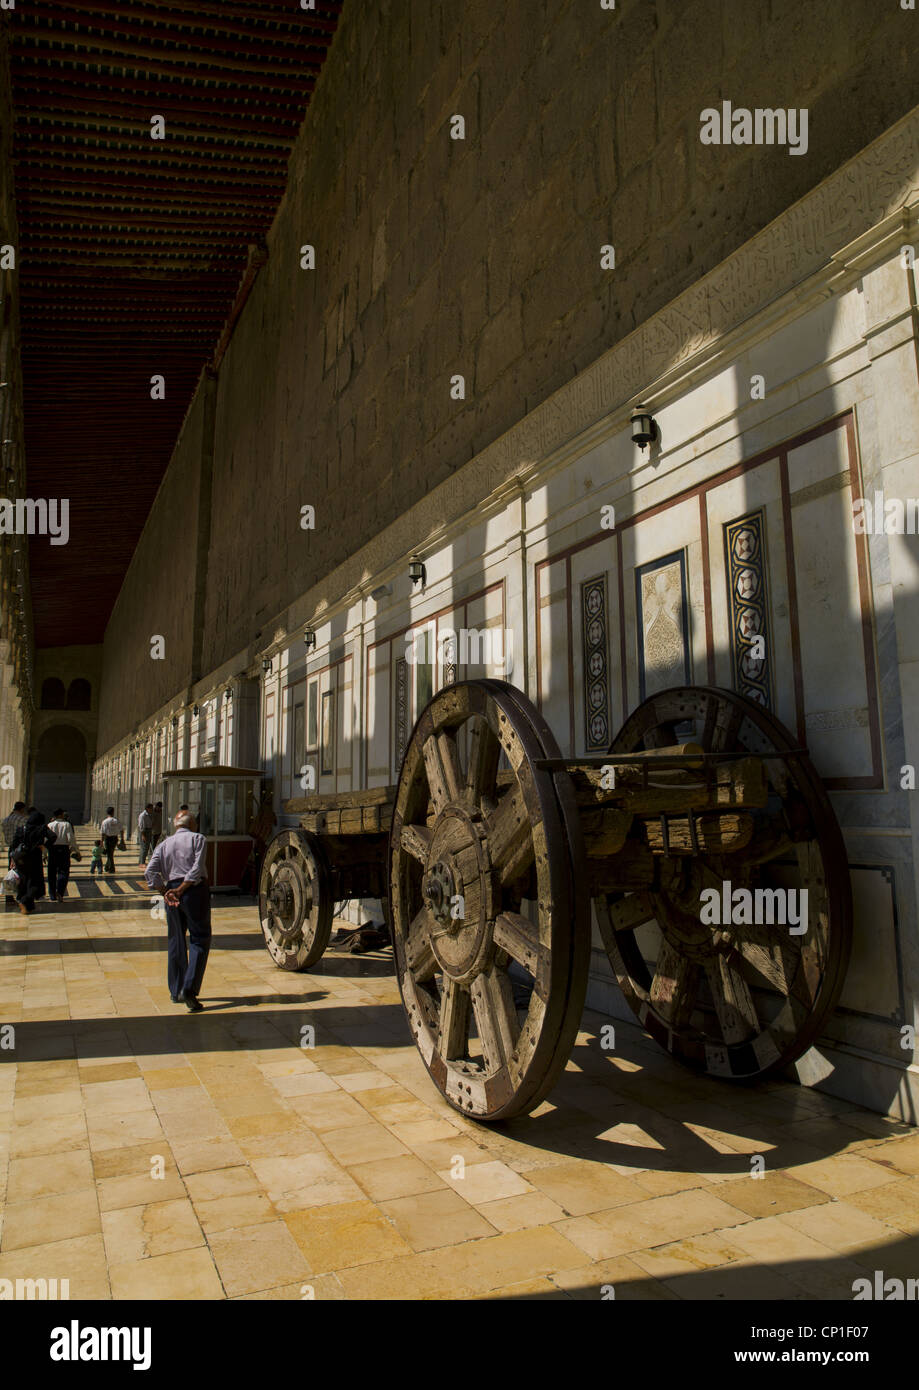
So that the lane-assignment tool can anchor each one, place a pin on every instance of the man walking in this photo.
(145, 831)
(111, 830)
(59, 855)
(177, 864)
(157, 818)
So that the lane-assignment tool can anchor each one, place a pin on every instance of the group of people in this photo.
(28, 838)
(149, 833)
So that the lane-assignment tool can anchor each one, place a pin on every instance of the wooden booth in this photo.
(224, 801)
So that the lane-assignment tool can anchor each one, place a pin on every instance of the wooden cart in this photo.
(491, 848)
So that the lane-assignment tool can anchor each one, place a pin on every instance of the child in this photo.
(96, 861)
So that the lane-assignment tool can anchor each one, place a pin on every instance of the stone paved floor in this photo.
(149, 1153)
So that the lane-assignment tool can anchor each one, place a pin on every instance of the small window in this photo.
(78, 694)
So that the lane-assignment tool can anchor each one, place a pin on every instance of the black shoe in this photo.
(176, 998)
(191, 1003)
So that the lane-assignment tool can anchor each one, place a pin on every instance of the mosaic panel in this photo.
(594, 610)
(401, 711)
(663, 624)
(748, 606)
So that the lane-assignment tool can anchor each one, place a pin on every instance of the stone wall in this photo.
(479, 257)
(157, 598)
(16, 637)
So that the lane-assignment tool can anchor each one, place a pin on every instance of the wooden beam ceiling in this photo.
(132, 250)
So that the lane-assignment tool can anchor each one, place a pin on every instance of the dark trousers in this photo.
(108, 844)
(58, 870)
(146, 845)
(186, 966)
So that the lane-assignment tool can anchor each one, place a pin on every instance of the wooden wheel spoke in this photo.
(416, 840)
(733, 1001)
(418, 954)
(673, 988)
(482, 767)
(495, 1016)
(509, 837)
(631, 912)
(769, 960)
(722, 727)
(519, 937)
(453, 1033)
(441, 763)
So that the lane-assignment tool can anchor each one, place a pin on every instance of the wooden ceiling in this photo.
(132, 249)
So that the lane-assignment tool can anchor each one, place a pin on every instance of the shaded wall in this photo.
(157, 597)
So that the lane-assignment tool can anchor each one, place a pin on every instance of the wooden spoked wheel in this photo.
(732, 997)
(491, 936)
(295, 903)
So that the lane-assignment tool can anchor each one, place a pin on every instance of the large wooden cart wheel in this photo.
(490, 933)
(737, 1000)
(294, 899)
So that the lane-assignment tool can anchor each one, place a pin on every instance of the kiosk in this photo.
(224, 802)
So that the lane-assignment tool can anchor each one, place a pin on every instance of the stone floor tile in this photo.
(127, 1129)
(484, 1182)
(80, 1260)
(705, 1251)
(348, 1233)
(842, 1174)
(116, 1097)
(897, 1204)
(143, 1232)
(362, 1143)
(251, 1258)
(429, 1220)
(91, 1072)
(771, 1194)
(132, 1191)
(518, 1213)
(178, 1276)
(133, 1161)
(840, 1226)
(46, 1107)
(57, 1135)
(387, 1178)
(245, 1209)
(43, 1220)
(231, 1181)
(48, 1175)
(580, 1188)
(620, 1279)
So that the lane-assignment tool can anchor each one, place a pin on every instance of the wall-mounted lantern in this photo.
(309, 638)
(644, 426)
(195, 711)
(417, 572)
(266, 665)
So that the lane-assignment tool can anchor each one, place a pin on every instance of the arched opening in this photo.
(78, 694)
(52, 693)
(60, 771)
